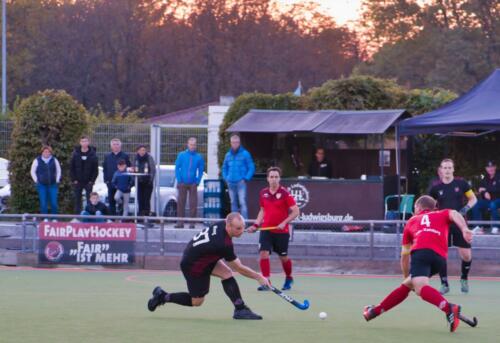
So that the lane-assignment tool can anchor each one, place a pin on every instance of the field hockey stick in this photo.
(471, 322)
(292, 301)
(264, 228)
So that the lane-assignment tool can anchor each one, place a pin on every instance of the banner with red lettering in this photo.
(87, 243)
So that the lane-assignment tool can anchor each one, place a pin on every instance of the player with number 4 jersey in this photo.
(425, 239)
(203, 258)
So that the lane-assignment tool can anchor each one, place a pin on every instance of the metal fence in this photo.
(173, 139)
(156, 236)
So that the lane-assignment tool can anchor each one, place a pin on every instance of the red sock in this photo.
(265, 267)
(432, 296)
(395, 298)
(287, 268)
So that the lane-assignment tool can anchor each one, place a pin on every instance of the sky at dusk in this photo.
(341, 10)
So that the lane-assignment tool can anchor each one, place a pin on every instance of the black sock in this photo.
(465, 269)
(180, 298)
(233, 292)
(443, 274)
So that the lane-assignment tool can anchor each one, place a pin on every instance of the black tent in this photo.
(476, 110)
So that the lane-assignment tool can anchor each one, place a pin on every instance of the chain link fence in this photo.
(173, 139)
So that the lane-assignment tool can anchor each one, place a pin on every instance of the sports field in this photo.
(110, 306)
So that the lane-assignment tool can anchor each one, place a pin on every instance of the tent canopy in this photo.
(325, 121)
(476, 110)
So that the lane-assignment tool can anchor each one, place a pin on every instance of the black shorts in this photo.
(455, 238)
(425, 262)
(277, 242)
(198, 286)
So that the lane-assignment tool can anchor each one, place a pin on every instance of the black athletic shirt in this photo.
(206, 248)
(451, 195)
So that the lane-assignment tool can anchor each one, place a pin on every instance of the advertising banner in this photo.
(327, 201)
(86, 243)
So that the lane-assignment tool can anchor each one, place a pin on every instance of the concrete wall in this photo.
(215, 116)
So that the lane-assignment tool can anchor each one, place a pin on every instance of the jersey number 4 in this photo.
(425, 221)
(204, 236)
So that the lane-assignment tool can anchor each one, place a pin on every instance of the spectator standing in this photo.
(122, 181)
(320, 166)
(189, 167)
(238, 168)
(489, 196)
(95, 208)
(83, 170)
(46, 173)
(144, 163)
(109, 166)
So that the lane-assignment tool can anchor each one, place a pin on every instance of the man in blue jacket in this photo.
(237, 169)
(189, 168)
(109, 167)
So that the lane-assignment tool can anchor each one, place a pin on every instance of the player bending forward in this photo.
(425, 238)
(203, 258)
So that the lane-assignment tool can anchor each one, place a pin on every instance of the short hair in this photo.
(94, 194)
(235, 135)
(121, 162)
(446, 160)
(140, 146)
(320, 148)
(46, 147)
(426, 202)
(191, 139)
(117, 140)
(231, 217)
(84, 137)
(271, 169)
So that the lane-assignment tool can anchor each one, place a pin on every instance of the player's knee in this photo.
(264, 254)
(284, 258)
(197, 301)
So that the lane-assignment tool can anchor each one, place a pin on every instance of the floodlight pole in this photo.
(4, 56)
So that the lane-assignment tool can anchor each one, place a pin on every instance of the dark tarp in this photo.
(326, 121)
(476, 110)
(359, 122)
(278, 121)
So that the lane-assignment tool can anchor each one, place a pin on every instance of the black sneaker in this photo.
(246, 313)
(157, 299)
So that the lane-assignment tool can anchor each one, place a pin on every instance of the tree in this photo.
(46, 118)
(451, 44)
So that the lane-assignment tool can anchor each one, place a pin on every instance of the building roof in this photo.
(325, 121)
(193, 115)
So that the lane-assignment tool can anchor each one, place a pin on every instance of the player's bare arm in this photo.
(405, 260)
(294, 213)
(459, 220)
(258, 222)
(248, 272)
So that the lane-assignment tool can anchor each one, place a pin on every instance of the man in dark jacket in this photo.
(489, 197)
(320, 165)
(109, 166)
(84, 170)
(144, 163)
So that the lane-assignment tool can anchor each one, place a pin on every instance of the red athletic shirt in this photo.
(276, 207)
(428, 230)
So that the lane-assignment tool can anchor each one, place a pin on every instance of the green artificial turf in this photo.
(98, 306)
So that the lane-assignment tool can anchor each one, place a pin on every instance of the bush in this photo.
(46, 118)
(357, 93)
